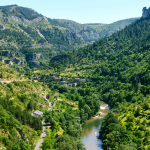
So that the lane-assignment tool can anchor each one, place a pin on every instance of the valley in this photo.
(24, 34)
(57, 74)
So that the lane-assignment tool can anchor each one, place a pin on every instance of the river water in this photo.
(91, 130)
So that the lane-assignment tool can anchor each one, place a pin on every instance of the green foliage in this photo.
(11, 128)
(30, 33)
(117, 69)
(21, 12)
(97, 31)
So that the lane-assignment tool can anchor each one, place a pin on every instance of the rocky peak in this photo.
(44, 18)
(146, 12)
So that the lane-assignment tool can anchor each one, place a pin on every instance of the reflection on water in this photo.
(91, 130)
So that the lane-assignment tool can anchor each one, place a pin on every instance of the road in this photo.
(50, 106)
(9, 81)
(39, 144)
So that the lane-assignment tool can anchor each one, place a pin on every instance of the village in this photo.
(76, 80)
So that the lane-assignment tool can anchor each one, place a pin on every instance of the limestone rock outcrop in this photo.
(34, 56)
(146, 12)
(36, 64)
(2, 27)
(19, 19)
(17, 61)
(7, 54)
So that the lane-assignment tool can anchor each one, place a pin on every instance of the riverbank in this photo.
(91, 130)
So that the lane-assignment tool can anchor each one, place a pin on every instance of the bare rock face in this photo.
(6, 53)
(34, 56)
(44, 18)
(12, 54)
(2, 27)
(17, 61)
(2, 60)
(35, 64)
(10, 62)
(19, 19)
(146, 12)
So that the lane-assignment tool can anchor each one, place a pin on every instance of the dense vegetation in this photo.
(21, 12)
(68, 120)
(18, 99)
(117, 68)
(92, 32)
(25, 32)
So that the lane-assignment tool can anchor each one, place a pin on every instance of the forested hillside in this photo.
(29, 39)
(117, 68)
(94, 31)
(19, 97)
(114, 69)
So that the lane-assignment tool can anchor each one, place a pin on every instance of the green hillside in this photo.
(19, 97)
(32, 39)
(92, 32)
(114, 69)
(21, 12)
(117, 68)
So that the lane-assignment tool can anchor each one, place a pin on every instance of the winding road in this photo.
(39, 143)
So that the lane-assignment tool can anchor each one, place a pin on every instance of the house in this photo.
(37, 114)
(82, 80)
(35, 78)
(55, 78)
(69, 84)
(76, 80)
(74, 84)
(63, 82)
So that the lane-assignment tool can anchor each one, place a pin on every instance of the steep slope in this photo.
(30, 39)
(24, 33)
(19, 97)
(20, 12)
(117, 68)
(92, 32)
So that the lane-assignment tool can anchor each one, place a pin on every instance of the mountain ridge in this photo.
(117, 68)
(37, 34)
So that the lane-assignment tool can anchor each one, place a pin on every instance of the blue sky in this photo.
(85, 11)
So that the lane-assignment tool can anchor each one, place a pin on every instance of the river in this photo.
(91, 130)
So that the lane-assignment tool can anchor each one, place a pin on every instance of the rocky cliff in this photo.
(146, 12)
(34, 56)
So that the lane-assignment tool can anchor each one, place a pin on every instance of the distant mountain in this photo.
(20, 12)
(28, 38)
(94, 31)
